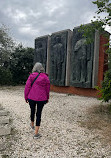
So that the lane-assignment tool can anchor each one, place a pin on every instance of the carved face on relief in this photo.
(79, 44)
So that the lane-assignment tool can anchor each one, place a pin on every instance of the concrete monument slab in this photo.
(81, 61)
(41, 53)
(59, 57)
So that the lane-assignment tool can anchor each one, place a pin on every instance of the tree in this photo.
(100, 22)
(21, 64)
(104, 6)
(5, 76)
(6, 47)
(15, 61)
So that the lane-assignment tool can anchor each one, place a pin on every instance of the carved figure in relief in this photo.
(58, 58)
(80, 61)
(40, 53)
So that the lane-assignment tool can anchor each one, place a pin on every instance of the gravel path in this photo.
(63, 127)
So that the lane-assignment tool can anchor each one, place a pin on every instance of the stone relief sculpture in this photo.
(67, 58)
(58, 58)
(41, 50)
(82, 61)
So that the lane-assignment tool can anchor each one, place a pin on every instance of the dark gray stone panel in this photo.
(58, 57)
(81, 61)
(40, 54)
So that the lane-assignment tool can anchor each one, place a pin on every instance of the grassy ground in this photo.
(99, 118)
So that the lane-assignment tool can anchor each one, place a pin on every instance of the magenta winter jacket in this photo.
(40, 88)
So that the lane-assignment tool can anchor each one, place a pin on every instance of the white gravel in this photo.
(62, 135)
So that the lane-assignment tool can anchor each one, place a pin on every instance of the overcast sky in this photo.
(28, 19)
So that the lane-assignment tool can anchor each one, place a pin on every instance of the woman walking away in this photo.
(37, 94)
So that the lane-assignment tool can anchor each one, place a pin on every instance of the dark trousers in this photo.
(38, 110)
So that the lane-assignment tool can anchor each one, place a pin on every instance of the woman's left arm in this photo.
(27, 88)
(48, 88)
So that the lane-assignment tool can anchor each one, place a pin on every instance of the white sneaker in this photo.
(36, 136)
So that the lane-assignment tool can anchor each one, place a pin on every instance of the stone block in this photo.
(3, 113)
(4, 120)
(5, 131)
(1, 108)
(2, 147)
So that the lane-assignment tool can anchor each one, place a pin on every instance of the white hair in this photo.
(38, 68)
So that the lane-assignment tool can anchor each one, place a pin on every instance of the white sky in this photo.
(28, 19)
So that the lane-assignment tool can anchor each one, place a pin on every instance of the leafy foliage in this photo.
(5, 76)
(105, 91)
(100, 22)
(15, 61)
(89, 30)
(104, 6)
(21, 64)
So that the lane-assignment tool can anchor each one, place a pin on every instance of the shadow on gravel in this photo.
(98, 119)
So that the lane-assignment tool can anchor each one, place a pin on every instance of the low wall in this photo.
(74, 90)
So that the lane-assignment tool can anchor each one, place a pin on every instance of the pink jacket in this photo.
(40, 88)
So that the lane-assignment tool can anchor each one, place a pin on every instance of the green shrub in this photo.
(5, 76)
(21, 64)
(105, 91)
